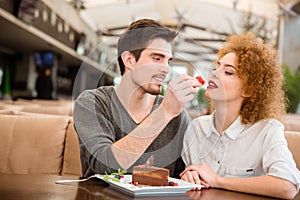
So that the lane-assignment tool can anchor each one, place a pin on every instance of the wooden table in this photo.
(43, 187)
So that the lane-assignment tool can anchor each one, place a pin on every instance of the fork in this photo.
(79, 180)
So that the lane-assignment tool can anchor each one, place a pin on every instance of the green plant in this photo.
(202, 101)
(292, 88)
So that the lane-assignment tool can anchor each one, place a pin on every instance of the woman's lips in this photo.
(211, 85)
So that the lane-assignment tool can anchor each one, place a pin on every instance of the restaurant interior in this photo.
(72, 43)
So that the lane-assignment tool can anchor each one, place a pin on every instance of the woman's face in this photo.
(225, 85)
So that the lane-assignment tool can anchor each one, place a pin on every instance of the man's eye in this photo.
(156, 58)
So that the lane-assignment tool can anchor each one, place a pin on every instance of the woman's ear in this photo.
(128, 59)
(246, 94)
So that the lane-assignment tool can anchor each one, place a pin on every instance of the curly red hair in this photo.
(262, 77)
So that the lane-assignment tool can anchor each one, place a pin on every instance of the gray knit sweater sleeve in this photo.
(95, 132)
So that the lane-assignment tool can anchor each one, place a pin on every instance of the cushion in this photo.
(54, 110)
(57, 107)
(37, 102)
(72, 164)
(7, 108)
(293, 139)
(32, 144)
(6, 101)
(9, 112)
(292, 122)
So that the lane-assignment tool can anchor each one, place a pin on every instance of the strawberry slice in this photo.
(200, 79)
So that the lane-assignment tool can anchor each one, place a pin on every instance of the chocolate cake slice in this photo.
(149, 175)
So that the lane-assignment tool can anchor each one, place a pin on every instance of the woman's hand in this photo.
(193, 177)
(200, 173)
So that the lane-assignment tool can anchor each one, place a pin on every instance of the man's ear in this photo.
(128, 59)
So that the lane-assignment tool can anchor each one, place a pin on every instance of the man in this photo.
(122, 126)
(44, 85)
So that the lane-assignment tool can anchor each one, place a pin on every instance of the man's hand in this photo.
(180, 91)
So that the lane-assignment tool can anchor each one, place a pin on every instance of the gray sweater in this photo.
(100, 120)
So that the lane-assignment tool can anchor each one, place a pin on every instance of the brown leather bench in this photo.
(38, 144)
(42, 143)
(293, 139)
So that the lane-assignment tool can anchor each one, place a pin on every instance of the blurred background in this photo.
(55, 49)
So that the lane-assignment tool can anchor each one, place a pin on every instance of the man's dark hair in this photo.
(138, 35)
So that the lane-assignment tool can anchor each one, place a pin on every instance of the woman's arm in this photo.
(260, 185)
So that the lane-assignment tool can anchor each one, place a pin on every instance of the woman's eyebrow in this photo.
(230, 65)
(226, 65)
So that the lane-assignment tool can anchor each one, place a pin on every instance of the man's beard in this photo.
(150, 90)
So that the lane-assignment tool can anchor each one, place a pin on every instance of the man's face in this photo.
(150, 71)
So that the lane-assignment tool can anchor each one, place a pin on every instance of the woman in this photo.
(241, 145)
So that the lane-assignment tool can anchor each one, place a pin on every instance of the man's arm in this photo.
(96, 130)
(128, 149)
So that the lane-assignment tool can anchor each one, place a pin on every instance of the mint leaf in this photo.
(113, 175)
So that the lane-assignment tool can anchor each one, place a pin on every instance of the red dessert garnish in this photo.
(135, 183)
(200, 79)
(171, 183)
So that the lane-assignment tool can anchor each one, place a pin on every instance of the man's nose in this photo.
(165, 67)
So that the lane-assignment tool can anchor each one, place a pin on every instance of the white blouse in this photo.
(242, 150)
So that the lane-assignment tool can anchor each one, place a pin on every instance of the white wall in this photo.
(291, 43)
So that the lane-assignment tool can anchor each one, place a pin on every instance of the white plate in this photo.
(143, 190)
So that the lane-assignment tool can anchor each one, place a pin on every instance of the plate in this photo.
(143, 190)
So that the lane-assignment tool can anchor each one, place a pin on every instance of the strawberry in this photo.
(200, 79)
